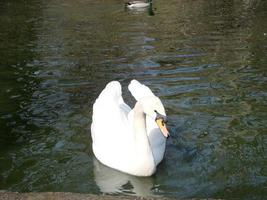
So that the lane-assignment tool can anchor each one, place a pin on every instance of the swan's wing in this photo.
(111, 98)
(139, 90)
(110, 126)
(110, 110)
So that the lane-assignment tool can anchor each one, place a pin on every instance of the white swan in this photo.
(138, 4)
(131, 141)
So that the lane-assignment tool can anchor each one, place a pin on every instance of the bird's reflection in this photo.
(112, 181)
(150, 10)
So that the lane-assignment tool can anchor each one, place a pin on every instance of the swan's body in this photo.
(138, 4)
(126, 139)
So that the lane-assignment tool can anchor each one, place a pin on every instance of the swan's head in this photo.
(153, 107)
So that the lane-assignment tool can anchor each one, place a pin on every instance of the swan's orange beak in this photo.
(162, 126)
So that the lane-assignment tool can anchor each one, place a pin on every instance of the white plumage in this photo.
(138, 4)
(128, 139)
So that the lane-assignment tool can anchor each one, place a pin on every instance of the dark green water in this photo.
(206, 60)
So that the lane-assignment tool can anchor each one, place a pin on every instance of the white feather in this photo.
(124, 139)
(139, 90)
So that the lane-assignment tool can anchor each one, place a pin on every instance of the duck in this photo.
(138, 4)
(130, 140)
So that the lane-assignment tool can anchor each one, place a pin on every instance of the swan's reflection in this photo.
(112, 181)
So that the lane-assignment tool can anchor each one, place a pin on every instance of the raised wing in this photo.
(139, 90)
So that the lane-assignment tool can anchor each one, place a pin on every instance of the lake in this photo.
(206, 60)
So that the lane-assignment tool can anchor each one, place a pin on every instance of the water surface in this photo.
(206, 60)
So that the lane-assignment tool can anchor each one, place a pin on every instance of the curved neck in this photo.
(139, 123)
(140, 132)
(142, 159)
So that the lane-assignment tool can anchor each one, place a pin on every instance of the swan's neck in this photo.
(143, 148)
(139, 123)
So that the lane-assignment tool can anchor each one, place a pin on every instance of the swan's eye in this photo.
(162, 117)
